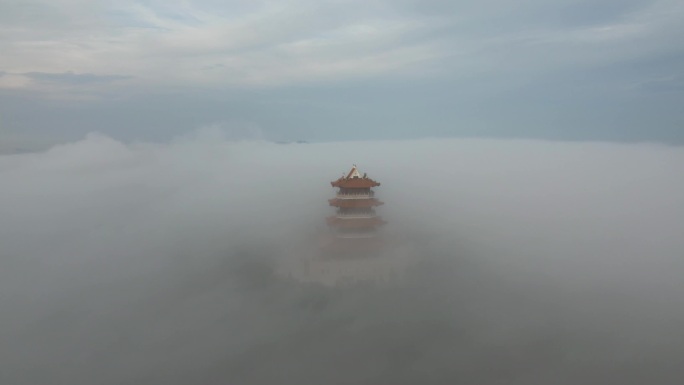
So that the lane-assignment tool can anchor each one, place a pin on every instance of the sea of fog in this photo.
(535, 263)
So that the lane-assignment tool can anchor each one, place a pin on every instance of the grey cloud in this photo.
(667, 85)
(536, 262)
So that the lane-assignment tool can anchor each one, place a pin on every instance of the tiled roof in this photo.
(354, 180)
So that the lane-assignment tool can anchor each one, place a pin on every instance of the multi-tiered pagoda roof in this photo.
(355, 218)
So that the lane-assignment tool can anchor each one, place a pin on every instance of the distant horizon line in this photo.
(36, 144)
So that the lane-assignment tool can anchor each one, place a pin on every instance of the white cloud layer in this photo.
(148, 263)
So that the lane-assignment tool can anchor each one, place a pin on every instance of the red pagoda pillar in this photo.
(355, 222)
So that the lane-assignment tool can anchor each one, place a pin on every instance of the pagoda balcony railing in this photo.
(356, 215)
(355, 196)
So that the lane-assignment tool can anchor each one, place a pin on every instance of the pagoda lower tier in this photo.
(350, 247)
(342, 222)
(354, 203)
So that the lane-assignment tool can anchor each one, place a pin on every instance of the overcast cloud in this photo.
(536, 263)
(300, 69)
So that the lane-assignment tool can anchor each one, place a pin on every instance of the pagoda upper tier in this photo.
(354, 180)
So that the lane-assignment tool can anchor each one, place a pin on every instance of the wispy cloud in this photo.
(302, 41)
(71, 78)
(269, 45)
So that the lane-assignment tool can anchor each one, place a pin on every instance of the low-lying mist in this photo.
(536, 263)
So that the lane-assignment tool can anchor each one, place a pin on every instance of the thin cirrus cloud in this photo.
(72, 78)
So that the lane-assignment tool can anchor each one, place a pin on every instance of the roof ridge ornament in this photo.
(353, 173)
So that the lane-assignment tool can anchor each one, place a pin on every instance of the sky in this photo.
(534, 263)
(608, 70)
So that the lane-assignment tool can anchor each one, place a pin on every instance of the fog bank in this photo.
(538, 263)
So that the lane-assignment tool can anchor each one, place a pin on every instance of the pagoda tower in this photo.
(355, 221)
